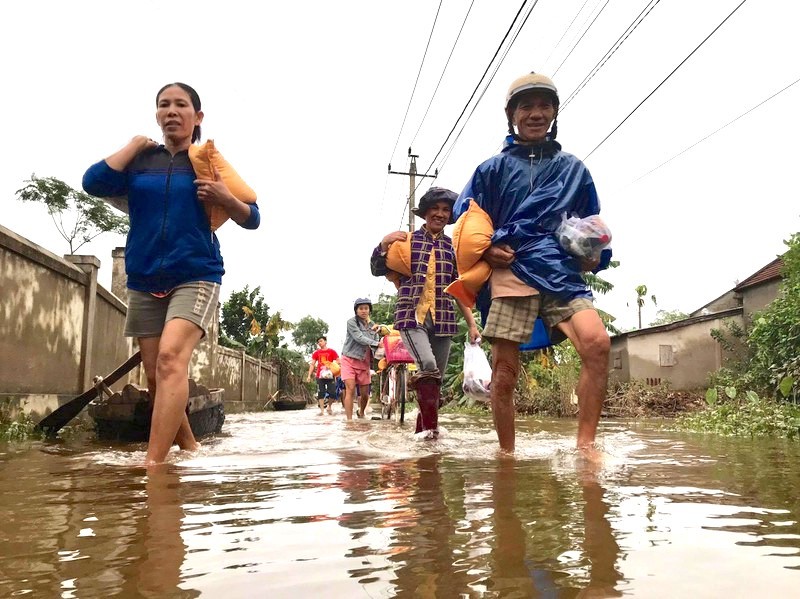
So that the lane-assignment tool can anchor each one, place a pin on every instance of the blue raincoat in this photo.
(525, 190)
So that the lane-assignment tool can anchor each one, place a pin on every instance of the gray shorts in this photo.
(195, 301)
(512, 318)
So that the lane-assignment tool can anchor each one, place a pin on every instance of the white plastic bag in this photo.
(477, 373)
(583, 237)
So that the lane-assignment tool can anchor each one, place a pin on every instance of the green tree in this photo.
(244, 315)
(92, 216)
(383, 309)
(307, 331)
(774, 338)
(641, 292)
(601, 286)
(668, 316)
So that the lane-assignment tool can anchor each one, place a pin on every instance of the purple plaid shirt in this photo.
(422, 244)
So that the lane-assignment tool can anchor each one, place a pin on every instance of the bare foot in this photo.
(590, 453)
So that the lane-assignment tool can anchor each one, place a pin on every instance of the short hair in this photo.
(322, 337)
(193, 96)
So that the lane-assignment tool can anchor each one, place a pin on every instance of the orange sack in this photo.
(205, 160)
(472, 236)
(398, 260)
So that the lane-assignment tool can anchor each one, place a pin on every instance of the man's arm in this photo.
(311, 369)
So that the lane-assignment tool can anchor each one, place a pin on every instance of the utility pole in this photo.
(412, 186)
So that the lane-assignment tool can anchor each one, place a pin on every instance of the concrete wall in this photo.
(681, 353)
(727, 301)
(757, 298)
(58, 328)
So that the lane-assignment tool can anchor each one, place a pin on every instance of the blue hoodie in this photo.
(170, 241)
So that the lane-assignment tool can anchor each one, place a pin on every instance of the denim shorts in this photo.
(195, 301)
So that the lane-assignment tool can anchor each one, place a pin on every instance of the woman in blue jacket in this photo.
(172, 258)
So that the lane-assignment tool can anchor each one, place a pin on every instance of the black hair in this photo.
(355, 308)
(322, 337)
(193, 96)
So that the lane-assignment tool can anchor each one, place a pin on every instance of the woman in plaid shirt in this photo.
(425, 315)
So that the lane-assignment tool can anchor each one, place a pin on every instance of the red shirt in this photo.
(324, 357)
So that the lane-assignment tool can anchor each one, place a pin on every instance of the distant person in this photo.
(424, 314)
(172, 257)
(361, 341)
(321, 361)
(527, 189)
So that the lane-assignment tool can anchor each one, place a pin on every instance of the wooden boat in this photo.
(290, 403)
(125, 415)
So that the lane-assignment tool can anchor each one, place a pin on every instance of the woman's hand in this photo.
(473, 334)
(120, 160)
(391, 238)
(499, 256)
(214, 191)
(143, 142)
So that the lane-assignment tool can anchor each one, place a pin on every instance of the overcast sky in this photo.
(306, 100)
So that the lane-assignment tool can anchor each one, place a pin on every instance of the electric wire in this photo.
(698, 142)
(665, 79)
(610, 52)
(486, 87)
(474, 91)
(563, 35)
(575, 45)
(464, 22)
(416, 81)
(483, 76)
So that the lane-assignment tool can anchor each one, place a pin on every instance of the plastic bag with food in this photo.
(583, 237)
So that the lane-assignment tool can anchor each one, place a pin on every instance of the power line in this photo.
(717, 131)
(416, 81)
(499, 47)
(563, 35)
(665, 79)
(488, 83)
(474, 91)
(581, 38)
(611, 51)
(464, 22)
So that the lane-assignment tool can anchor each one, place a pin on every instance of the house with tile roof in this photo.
(684, 353)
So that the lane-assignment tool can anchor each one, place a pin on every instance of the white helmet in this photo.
(526, 83)
(530, 82)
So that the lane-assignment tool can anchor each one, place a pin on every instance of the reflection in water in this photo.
(159, 572)
(291, 505)
(425, 546)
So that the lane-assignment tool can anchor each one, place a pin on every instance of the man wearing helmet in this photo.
(525, 190)
(424, 314)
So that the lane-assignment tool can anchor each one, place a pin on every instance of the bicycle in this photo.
(394, 378)
(393, 391)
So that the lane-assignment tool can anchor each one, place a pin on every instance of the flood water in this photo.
(291, 504)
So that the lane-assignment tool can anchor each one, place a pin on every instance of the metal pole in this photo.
(412, 174)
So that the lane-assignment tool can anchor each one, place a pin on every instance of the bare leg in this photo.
(588, 334)
(505, 371)
(363, 400)
(178, 340)
(349, 392)
(149, 347)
